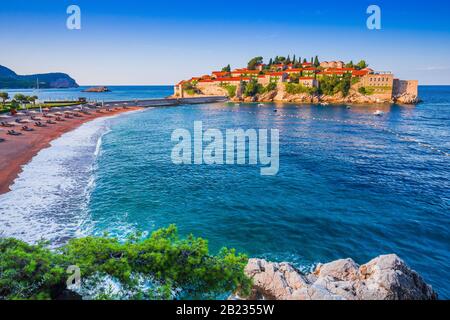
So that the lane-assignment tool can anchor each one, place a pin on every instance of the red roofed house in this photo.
(244, 72)
(220, 74)
(308, 82)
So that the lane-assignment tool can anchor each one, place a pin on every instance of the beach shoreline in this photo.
(17, 151)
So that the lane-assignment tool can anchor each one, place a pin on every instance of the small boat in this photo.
(348, 107)
(260, 105)
(275, 110)
(237, 104)
(378, 113)
(324, 104)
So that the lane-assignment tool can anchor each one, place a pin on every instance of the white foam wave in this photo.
(49, 198)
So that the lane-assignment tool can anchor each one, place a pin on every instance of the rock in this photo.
(97, 89)
(383, 278)
(406, 98)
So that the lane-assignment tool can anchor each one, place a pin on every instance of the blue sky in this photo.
(162, 42)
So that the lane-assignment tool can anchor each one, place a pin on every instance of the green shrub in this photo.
(294, 88)
(231, 89)
(334, 84)
(252, 88)
(35, 272)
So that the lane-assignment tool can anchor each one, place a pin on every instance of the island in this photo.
(294, 80)
(11, 80)
(97, 89)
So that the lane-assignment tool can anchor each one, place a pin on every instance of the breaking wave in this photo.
(48, 200)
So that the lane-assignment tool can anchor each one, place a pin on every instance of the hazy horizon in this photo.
(141, 43)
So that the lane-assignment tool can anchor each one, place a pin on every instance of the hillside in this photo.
(11, 80)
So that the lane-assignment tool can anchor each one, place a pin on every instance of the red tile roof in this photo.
(230, 79)
(293, 70)
(280, 73)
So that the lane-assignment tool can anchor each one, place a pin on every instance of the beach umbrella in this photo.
(25, 121)
(12, 123)
(46, 109)
(3, 116)
(33, 112)
(58, 113)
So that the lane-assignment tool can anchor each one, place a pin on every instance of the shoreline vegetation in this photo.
(162, 266)
(291, 80)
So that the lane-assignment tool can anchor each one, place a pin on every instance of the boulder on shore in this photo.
(386, 277)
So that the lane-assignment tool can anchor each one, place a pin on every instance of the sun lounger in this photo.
(2, 140)
(14, 133)
(51, 122)
(26, 128)
(4, 124)
(40, 124)
(59, 119)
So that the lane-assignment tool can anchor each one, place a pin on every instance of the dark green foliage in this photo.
(270, 87)
(35, 272)
(361, 65)
(231, 89)
(350, 65)
(316, 62)
(334, 84)
(254, 62)
(226, 69)
(191, 88)
(294, 88)
(252, 88)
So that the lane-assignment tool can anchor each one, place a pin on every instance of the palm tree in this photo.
(4, 96)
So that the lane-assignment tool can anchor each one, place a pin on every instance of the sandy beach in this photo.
(17, 151)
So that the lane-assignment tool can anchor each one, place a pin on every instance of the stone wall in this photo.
(406, 86)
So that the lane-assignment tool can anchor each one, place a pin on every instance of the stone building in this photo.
(332, 64)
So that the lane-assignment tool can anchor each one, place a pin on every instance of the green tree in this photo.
(254, 62)
(350, 65)
(316, 62)
(252, 88)
(270, 62)
(294, 61)
(4, 96)
(226, 68)
(361, 65)
(32, 99)
(144, 268)
(20, 98)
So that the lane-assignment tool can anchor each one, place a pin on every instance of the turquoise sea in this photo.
(350, 184)
(116, 93)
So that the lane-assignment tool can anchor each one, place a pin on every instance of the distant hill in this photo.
(11, 80)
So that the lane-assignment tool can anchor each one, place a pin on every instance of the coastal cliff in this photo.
(401, 96)
(386, 277)
(10, 80)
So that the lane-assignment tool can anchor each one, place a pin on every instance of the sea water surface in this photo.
(350, 184)
(116, 93)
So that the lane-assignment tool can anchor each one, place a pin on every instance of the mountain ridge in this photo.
(11, 80)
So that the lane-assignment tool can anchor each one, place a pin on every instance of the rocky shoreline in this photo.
(280, 95)
(386, 277)
(353, 97)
